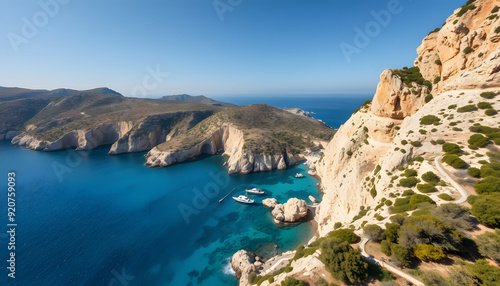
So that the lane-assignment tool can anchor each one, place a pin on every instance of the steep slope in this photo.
(255, 137)
(90, 119)
(360, 168)
(198, 99)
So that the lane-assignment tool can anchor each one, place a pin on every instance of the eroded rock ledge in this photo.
(229, 141)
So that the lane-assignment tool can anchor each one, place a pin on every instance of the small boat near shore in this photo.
(243, 199)
(255, 191)
(299, 175)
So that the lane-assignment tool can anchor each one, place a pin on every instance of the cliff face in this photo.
(105, 134)
(464, 53)
(230, 141)
(125, 137)
(373, 135)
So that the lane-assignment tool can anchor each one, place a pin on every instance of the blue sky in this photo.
(256, 47)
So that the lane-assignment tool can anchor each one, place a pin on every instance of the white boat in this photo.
(243, 199)
(255, 191)
(299, 175)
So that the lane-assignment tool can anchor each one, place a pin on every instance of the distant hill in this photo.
(198, 99)
(14, 93)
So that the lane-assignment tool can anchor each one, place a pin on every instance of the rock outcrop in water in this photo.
(243, 263)
(292, 212)
(270, 203)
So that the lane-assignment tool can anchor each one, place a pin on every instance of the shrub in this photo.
(426, 188)
(451, 148)
(337, 225)
(483, 105)
(349, 153)
(468, 6)
(474, 172)
(397, 219)
(290, 281)
(497, 30)
(477, 141)
(488, 95)
(385, 247)
(440, 141)
(453, 106)
(428, 229)
(487, 185)
(486, 209)
(428, 252)
(445, 197)
(299, 252)
(430, 97)
(347, 235)
(485, 273)
(429, 120)
(490, 170)
(438, 62)
(488, 245)
(467, 108)
(342, 261)
(494, 10)
(468, 50)
(391, 232)
(410, 75)
(251, 277)
(288, 269)
(410, 173)
(436, 80)
(373, 232)
(454, 161)
(373, 192)
(401, 254)
(408, 193)
(415, 143)
(377, 169)
(410, 203)
(404, 142)
(409, 182)
(422, 131)
(430, 177)
(490, 112)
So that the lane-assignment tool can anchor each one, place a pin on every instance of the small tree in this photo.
(343, 261)
(428, 252)
(430, 177)
(489, 245)
(401, 254)
(385, 247)
(373, 232)
(391, 232)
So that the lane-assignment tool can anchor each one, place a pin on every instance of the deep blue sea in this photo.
(87, 218)
(334, 110)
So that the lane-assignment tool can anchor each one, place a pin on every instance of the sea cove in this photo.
(112, 218)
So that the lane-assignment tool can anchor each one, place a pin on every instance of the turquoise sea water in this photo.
(87, 218)
(111, 215)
